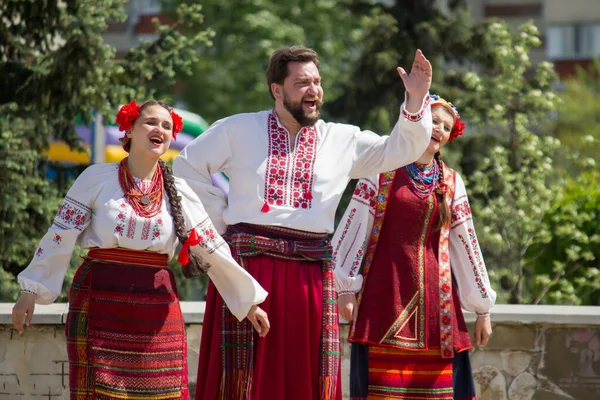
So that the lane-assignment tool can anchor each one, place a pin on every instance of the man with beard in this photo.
(287, 171)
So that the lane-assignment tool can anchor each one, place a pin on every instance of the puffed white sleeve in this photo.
(46, 272)
(237, 287)
(474, 289)
(374, 154)
(351, 237)
(198, 161)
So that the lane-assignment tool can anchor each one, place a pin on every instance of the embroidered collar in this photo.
(289, 175)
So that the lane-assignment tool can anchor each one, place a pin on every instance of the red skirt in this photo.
(125, 330)
(403, 374)
(286, 361)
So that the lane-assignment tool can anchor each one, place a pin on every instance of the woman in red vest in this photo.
(406, 261)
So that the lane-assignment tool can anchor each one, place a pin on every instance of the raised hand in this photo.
(418, 82)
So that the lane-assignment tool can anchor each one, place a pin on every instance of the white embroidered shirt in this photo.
(95, 214)
(299, 187)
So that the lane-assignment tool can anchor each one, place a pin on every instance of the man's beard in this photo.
(297, 111)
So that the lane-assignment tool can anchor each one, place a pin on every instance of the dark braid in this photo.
(444, 209)
(197, 265)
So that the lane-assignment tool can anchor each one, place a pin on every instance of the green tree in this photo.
(567, 265)
(514, 183)
(56, 66)
(25, 202)
(578, 120)
(229, 78)
(392, 32)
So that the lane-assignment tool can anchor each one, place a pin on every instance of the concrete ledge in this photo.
(51, 314)
(543, 314)
(193, 312)
(535, 352)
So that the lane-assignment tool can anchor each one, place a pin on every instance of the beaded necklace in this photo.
(422, 179)
(145, 203)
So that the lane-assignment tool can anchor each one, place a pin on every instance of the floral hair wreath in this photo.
(459, 126)
(130, 112)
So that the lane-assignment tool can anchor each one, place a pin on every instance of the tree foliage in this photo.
(540, 241)
(514, 183)
(56, 66)
(578, 119)
(567, 264)
(392, 32)
(229, 78)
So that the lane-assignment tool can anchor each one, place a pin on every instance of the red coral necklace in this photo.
(145, 203)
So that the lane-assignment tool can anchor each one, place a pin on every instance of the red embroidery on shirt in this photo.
(57, 239)
(461, 211)
(417, 116)
(474, 255)
(72, 214)
(209, 233)
(209, 238)
(131, 226)
(289, 177)
(357, 257)
(39, 252)
(156, 228)
(366, 193)
(121, 218)
(146, 229)
(303, 168)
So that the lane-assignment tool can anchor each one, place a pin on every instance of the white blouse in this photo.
(351, 238)
(95, 214)
(272, 182)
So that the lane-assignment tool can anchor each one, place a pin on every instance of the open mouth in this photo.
(314, 103)
(435, 139)
(156, 140)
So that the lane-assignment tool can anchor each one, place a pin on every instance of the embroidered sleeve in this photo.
(461, 211)
(374, 154)
(239, 290)
(350, 239)
(198, 161)
(45, 274)
(415, 117)
(210, 239)
(468, 267)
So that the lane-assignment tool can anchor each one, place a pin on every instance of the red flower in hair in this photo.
(457, 130)
(177, 124)
(126, 115)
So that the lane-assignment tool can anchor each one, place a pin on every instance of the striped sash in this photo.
(248, 240)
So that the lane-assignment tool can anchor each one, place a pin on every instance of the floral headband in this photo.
(459, 127)
(130, 112)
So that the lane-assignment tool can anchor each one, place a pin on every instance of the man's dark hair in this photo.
(278, 64)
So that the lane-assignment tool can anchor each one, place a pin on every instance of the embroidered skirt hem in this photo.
(125, 330)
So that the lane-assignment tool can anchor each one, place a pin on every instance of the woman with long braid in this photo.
(406, 260)
(125, 330)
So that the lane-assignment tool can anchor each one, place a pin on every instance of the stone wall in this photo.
(536, 352)
(541, 353)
